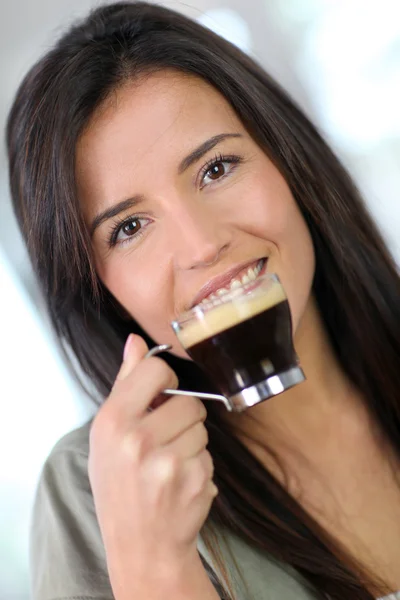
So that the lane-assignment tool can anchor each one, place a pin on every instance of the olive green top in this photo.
(66, 551)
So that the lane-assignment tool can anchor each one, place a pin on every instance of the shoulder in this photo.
(76, 441)
(254, 574)
(64, 481)
(67, 556)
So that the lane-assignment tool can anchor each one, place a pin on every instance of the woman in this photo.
(147, 157)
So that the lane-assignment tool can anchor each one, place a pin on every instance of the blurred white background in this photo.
(340, 59)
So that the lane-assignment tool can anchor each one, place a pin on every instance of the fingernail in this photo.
(127, 345)
(125, 368)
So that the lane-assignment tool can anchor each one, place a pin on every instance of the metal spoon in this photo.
(203, 395)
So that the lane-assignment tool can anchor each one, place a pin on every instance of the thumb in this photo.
(134, 351)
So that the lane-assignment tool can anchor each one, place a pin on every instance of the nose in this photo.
(198, 238)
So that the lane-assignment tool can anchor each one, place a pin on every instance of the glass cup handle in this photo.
(202, 395)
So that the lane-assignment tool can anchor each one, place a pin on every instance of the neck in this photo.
(303, 418)
(318, 441)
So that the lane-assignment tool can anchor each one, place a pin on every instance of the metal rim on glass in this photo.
(272, 386)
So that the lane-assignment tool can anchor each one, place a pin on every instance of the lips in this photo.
(223, 280)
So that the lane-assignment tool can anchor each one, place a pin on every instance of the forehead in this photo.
(135, 141)
(166, 112)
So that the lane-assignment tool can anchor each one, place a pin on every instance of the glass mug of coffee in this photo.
(243, 342)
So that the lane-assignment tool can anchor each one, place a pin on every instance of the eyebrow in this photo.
(193, 157)
(198, 152)
(113, 211)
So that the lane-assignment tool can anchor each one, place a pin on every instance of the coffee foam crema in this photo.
(224, 316)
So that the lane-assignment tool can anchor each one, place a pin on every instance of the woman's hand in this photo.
(151, 477)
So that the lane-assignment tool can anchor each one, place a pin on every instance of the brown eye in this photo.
(216, 171)
(131, 227)
(128, 230)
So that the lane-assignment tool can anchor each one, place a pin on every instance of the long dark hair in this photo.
(356, 284)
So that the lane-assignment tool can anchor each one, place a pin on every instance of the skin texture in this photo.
(151, 478)
(197, 224)
(192, 229)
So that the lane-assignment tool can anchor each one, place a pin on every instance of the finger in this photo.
(191, 442)
(174, 417)
(134, 351)
(198, 473)
(136, 391)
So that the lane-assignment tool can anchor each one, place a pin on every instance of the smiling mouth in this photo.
(249, 274)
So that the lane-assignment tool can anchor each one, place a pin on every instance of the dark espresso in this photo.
(248, 352)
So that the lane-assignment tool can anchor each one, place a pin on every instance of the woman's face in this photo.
(175, 192)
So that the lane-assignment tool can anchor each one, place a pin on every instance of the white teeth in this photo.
(259, 266)
(250, 275)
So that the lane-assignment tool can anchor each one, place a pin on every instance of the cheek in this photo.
(144, 294)
(271, 214)
(129, 282)
(298, 267)
(261, 202)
